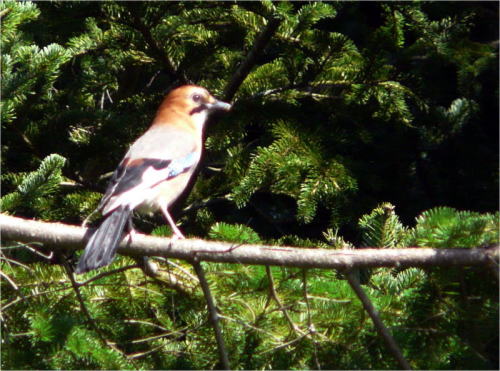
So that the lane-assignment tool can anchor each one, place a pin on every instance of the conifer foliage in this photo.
(354, 124)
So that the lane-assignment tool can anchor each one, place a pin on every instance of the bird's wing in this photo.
(159, 155)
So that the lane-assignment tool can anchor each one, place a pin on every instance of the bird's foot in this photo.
(131, 234)
(178, 235)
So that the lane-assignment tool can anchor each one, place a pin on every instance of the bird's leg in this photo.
(150, 268)
(130, 230)
(177, 233)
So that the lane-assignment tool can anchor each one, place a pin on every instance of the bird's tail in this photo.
(101, 248)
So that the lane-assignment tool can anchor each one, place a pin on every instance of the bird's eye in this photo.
(196, 98)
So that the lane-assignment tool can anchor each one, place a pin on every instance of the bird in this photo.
(154, 172)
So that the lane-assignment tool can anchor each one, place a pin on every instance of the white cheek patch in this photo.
(199, 118)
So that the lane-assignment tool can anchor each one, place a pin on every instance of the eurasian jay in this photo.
(154, 172)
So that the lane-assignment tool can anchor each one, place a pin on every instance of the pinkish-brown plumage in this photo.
(154, 172)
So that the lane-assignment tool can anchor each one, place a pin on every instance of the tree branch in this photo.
(246, 65)
(87, 314)
(310, 324)
(156, 49)
(213, 315)
(281, 307)
(67, 237)
(4, 12)
(377, 321)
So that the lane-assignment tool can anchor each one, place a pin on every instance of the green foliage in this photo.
(41, 326)
(446, 227)
(292, 166)
(347, 105)
(233, 233)
(254, 327)
(382, 228)
(34, 190)
(335, 240)
(27, 69)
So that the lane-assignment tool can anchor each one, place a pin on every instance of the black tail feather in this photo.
(101, 248)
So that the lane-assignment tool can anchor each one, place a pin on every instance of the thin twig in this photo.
(284, 345)
(12, 283)
(107, 273)
(18, 299)
(274, 295)
(145, 323)
(148, 85)
(109, 96)
(243, 323)
(379, 325)
(35, 251)
(213, 315)
(328, 299)
(160, 336)
(4, 12)
(493, 266)
(87, 314)
(204, 203)
(181, 268)
(168, 278)
(246, 65)
(156, 49)
(3, 257)
(310, 324)
(83, 307)
(142, 354)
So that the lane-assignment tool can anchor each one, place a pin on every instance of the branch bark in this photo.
(377, 321)
(213, 315)
(156, 49)
(251, 58)
(67, 237)
(91, 321)
(272, 291)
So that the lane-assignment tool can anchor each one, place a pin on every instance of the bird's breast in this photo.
(164, 193)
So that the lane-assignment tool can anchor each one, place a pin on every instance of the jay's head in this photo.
(191, 102)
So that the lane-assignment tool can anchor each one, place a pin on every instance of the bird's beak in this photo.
(218, 105)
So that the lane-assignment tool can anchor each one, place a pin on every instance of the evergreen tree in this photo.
(342, 106)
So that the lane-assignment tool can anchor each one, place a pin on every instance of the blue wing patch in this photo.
(129, 173)
(181, 165)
